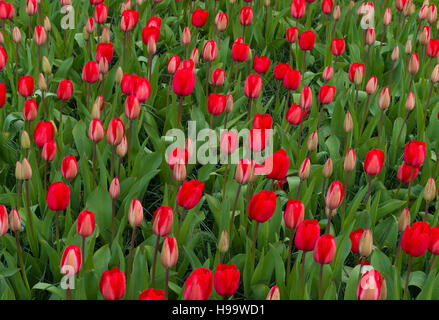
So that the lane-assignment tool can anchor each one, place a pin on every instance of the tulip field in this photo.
(219, 150)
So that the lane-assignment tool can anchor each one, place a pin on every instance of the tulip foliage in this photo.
(338, 100)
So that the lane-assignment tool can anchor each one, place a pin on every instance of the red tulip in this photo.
(58, 196)
(101, 12)
(298, 8)
(228, 142)
(433, 48)
(414, 153)
(294, 213)
(210, 50)
(324, 250)
(373, 163)
(44, 132)
(142, 89)
(162, 221)
(246, 16)
(90, 25)
(307, 234)
(169, 254)
(3, 56)
(25, 86)
(90, 72)
(65, 90)
(152, 294)
(280, 70)
(262, 121)
(7, 10)
(337, 47)
(104, 50)
(3, 220)
(132, 107)
(128, 83)
(69, 167)
(353, 69)
(415, 239)
(261, 64)
(2, 94)
(86, 223)
(96, 130)
(326, 94)
(112, 283)
(216, 103)
(334, 196)
(173, 64)
(199, 17)
(407, 173)
(369, 286)
(277, 165)
(292, 34)
(129, 20)
(218, 77)
(355, 237)
(295, 114)
(40, 35)
(327, 6)
(71, 260)
(31, 7)
(30, 110)
(135, 213)
(253, 86)
(262, 206)
(240, 51)
(48, 152)
(190, 194)
(115, 131)
(150, 34)
(226, 279)
(274, 293)
(184, 82)
(292, 79)
(178, 155)
(258, 139)
(198, 286)
(307, 40)
(305, 100)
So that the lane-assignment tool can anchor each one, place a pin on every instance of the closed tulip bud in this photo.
(371, 85)
(358, 77)
(221, 21)
(18, 174)
(47, 24)
(135, 213)
(432, 14)
(69, 167)
(373, 162)
(365, 244)
(266, 3)
(179, 171)
(273, 294)
(122, 147)
(186, 36)
(16, 35)
(25, 140)
(229, 103)
(407, 9)
(384, 99)
(114, 189)
(26, 170)
(218, 77)
(14, 220)
(115, 131)
(71, 260)
(350, 160)
(48, 152)
(103, 66)
(324, 250)
(395, 53)
(85, 225)
(336, 13)
(370, 36)
(404, 219)
(348, 123)
(410, 102)
(40, 35)
(195, 55)
(223, 243)
(387, 19)
(305, 100)
(313, 141)
(42, 84)
(162, 221)
(243, 171)
(119, 75)
(435, 74)
(334, 195)
(105, 35)
(169, 254)
(294, 213)
(112, 284)
(408, 46)
(30, 110)
(414, 63)
(198, 286)
(430, 190)
(304, 169)
(327, 73)
(96, 130)
(47, 68)
(351, 4)
(327, 169)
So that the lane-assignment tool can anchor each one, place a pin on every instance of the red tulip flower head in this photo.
(295, 114)
(337, 46)
(294, 213)
(101, 13)
(326, 94)
(210, 50)
(307, 234)
(184, 82)
(324, 250)
(115, 132)
(26, 86)
(334, 196)
(353, 69)
(262, 206)
(43, 133)
(292, 79)
(355, 237)
(69, 167)
(86, 223)
(71, 260)
(226, 279)
(406, 173)
(3, 56)
(129, 20)
(198, 286)
(253, 86)
(416, 239)
(433, 48)
(152, 294)
(190, 194)
(162, 221)
(90, 72)
(228, 142)
(7, 10)
(373, 163)
(65, 90)
(246, 16)
(58, 196)
(414, 153)
(276, 165)
(298, 8)
(292, 34)
(199, 17)
(2, 94)
(104, 50)
(218, 77)
(30, 110)
(112, 284)
(262, 121)
(307, 40)
(433, 245)
(369, 286)
(3, 220)
(240, 50)
(261, 64)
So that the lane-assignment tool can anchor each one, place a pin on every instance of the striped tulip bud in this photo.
(71, 260)
(395, 53)
(223, 243)
(114, 189)
(435, 74)
(26, 170)
(86, 223)
(371, 85)
(135, 213)
(350, 160)
(273, 294)
(162, 221)
(328, 72)
(384, 99)
(16, 35)
(410, 102)
(348, 124)
(304, 169)
(229, 103)
(47, 68)
(42, 84)
(313, 141)
(414, 63)
(14, 220)
(387, 19)
(370, 36)
(47, 24)
(358, 77)
(179, 171)
(404, 219)
(430, 190)
(186, 36)
(365, 244)
(119, 75)
(327, 168)
(169, 254)
(122, 147)
(336, 13)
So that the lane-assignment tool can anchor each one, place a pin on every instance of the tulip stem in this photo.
(345, 198)
(68, 292)
(320, 117)
(302, 275)
(29, 214)
(407, 277)
(298, 189)
(94, 163)
(380, 128)
(225, 181)
(402, 127)
(180, 223)
(113, 209)
(225, 121)
(382, 36)
(398, 252)
(299, 139)
(255, 236)
(16, 65)
(427, 104)
(356, 98)
(130, 256)
(57, 231)
(410, 186)
(166, 282)
(437, 163)
(45, 177)
(361, 267)
(180, 106)
(234, 210)
(249, 108)
(304, 63)
(18, 194)
(112, 161)
(167, 95)
(366, 108)
(207, 79)
(130, 130)
(124, 48)
(328, 224)
(83, 250)
(154, 262)
(369, 189)
(391, 76)
(20, 258)
(433, 261)
(320, 281)
(427, 203)
(30, 27)
(290, 249)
